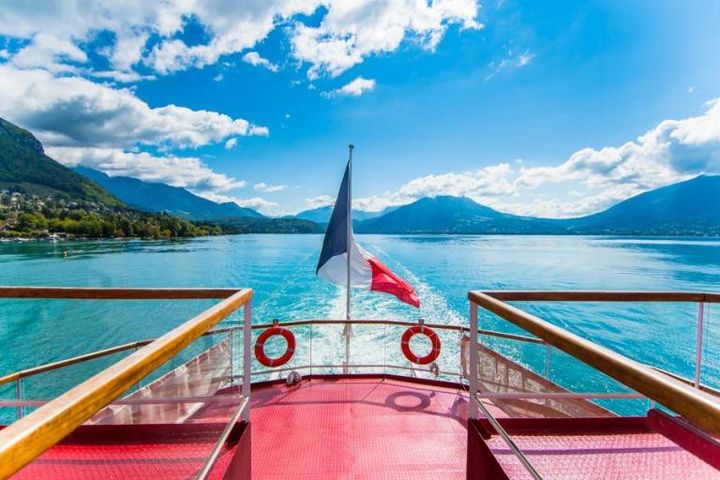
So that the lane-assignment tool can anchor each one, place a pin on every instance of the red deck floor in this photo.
(358, 429)
(622, 455)
(125, 452)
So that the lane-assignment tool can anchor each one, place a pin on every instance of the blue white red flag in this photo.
(366, 271)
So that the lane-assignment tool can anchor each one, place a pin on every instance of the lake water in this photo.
(280, 268)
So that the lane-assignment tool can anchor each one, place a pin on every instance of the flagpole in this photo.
(347, 331)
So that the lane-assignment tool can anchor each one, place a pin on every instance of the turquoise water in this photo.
(443, 268)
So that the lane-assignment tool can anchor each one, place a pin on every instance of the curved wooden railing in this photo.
(91, 293)
(695, 405)
(29, 437)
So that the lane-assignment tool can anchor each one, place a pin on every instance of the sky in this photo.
(554, 109)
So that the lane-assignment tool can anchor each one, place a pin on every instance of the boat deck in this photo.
(383, 428)
(358, 429)
(627, 455)
(119, 452)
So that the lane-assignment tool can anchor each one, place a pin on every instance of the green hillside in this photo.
(25, 168)
(40, 197)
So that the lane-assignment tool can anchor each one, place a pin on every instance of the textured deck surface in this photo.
(358, 429)
(622, 455)
(167, 453)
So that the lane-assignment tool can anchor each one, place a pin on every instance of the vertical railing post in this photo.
(699, 343)
(18, 395)
(247, 338)
(385, 361)
(231, 336)
(547, 361)
(312, 334)
(473, 380)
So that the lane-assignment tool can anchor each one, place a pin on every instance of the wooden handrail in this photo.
(601, 296)
(30, 436)
(117, 293)
(698, 407)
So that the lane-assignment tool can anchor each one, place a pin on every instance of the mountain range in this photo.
(321, 215)
(446, 214)
(159, 197)
(40, 197)
(691, 207)
(229, 216)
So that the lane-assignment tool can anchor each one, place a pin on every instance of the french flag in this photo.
(366, 271)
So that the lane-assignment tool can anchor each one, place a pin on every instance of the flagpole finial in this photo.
(351, 146)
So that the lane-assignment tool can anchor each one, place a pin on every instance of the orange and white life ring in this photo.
(264, 337)
(434, 340)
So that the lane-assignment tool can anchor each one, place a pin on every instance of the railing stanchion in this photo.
(247, 337)
(473, 380)
(699, 343)
(385, 350)
(232, 356)
(547, 361)
(18, 394)
(311, 356)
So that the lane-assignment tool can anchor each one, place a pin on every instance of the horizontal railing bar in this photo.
(305, 367)
(600, 296)
(697, 406)
(85, 293)
(212, 459)
(439, 326)
(297, 323)
(30, 436)
(28, 372)
(555, 395)
(687, 381)
(511, 336)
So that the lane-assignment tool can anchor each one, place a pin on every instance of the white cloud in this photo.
(320, 201)
(254, 59)
(50, 52)
(673, 150)
(73, 111)
(510, 61)
(264, 187)
(589, 181)
(145, 35)
(219, 77)
(256, 203)
(351, 31)
(355, 88)
(121, 77)
(231, 143)
(492, 181)
(186, 172)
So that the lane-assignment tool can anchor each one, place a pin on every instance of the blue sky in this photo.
(544, 108)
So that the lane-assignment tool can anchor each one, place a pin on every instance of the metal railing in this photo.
(18, 376)
(346, 367)
(53, 420)
(690, 398)
(29, 436)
